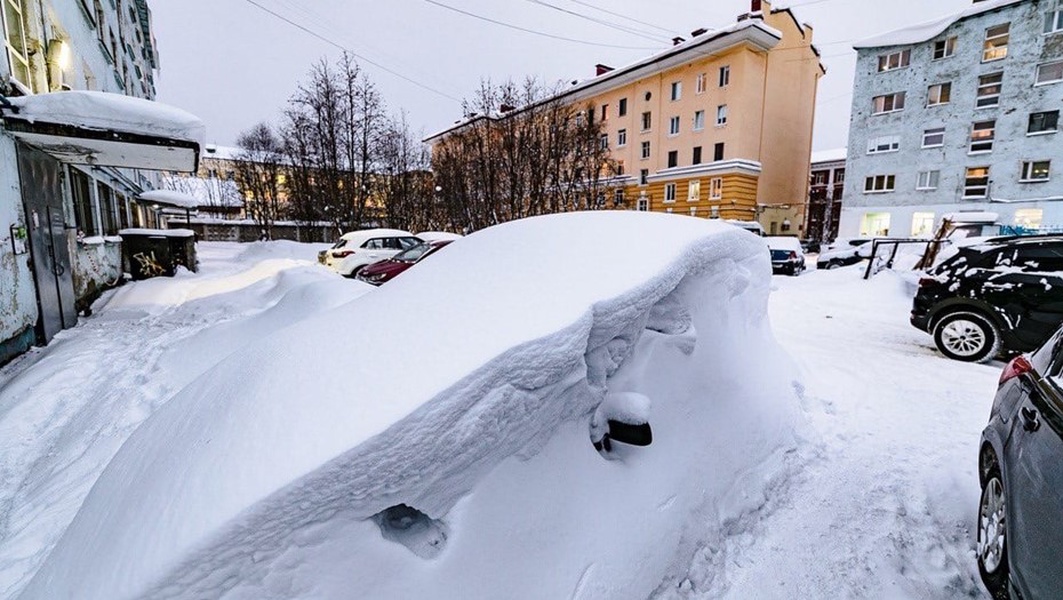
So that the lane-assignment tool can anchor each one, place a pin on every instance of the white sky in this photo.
(234, 65)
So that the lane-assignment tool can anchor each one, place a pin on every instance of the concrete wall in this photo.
(18, 296)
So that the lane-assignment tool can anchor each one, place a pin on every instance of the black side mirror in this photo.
(626, 433)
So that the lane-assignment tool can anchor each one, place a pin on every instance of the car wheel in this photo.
(832, 264)
(354, 272)
(967, 336)
(992, 536)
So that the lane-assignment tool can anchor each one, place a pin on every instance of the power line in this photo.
(609, 24)
(534, 32)
(616, 14)
(352, 52)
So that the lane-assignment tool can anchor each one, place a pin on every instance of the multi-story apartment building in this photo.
(71, 162)
(825, 195)
(718, 126)
(961, 114)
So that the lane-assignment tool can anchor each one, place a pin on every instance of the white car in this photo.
(844, 251)
(357, 249)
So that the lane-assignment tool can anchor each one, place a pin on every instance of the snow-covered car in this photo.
(324, 462)
(357, 249)
(844, 251)
(384, 271)
(438, 236)
(787, 256)
(750, 226)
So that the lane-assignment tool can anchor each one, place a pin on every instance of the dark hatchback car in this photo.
(1003, 294)
(1020, 534)
(386, 270)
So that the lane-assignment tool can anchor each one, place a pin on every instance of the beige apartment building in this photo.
(717, 126)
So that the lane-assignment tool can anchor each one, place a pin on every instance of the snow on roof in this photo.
(833, 155)
(170, 197)
(160, 232)
(209, 192)
(922, 32)
(221, 152)
(111, 112)
(464, 389)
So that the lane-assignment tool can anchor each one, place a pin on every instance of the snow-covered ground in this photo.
(877, 501)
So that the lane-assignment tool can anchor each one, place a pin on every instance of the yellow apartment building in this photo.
(717, 126)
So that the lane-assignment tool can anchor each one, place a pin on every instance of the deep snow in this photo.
(877, 501)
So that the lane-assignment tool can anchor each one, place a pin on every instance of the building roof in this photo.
(826, 156)
(221, 152)
(928, 30)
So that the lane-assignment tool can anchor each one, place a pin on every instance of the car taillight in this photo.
(342, 253)
(1016, 367)
(793, 255)
(927, 281)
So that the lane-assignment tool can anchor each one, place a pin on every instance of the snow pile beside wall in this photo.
(463, 390)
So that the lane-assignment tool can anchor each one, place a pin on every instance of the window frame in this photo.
(716, 188)
(647, 121)
(888, 184)
(904, 59)
(894, 96)
(948, 48)
(990, 53)
(979, 96)
(14, 54)
(645, 150)
(967, 185)
(933, 131)
(725, 76)
(985, 143)
(1052, 63)
(673, 126)
(1028, 168)
(1030, 121)
(673, 159)
(699, 120)
(621, 107)
(944, 94)
(699, 84)
(621, 138)
(694, 190)
(721, 115)
(892, 143)
(1053, 21)
(676, 93)
(669, 193)
(932, 180)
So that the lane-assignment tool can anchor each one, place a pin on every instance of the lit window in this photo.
(938, 94)
(887, 143)
(996, 42)
(896, 60)
(1035, 170)
(1029, 217)
(976, 182)
(1050, 72)
(721, 115)
(922, 224)
(716, 188)
(669, 192)
(944, 48)
(875, 224)
(694, 191)
(928, 180)
(673, 126)
(982, 134)
(699, 120)
(877, 184)
(989, 90)
(887, 103)
(932, 138)
(1043, 122)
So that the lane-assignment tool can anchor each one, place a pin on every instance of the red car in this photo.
(386, 270)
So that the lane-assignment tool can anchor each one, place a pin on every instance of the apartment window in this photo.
(621, 138)
(696, 159)
(877, 184)
(1043, 122)
(603, 141)
(644, 176)
(669, 192)
(895, 60)
(928, 180)
(976, 182)
(105, 197)
(996, 42)
(699, 84)
(721, 115)
(944, 48)
(982, 134)
(933, 138)
(84, 215)
(989, 90)
(725, 76)
(922, 224)
(647, 121)
(887, 103)
(1050, 72)
(882, 144)
(1036, 170)
(716, 188)
(938, 94)
(645, 150)
(621, 107)
(618, 197)
(694, 191)
(644, 203)
(15, 42)
(717, 151)
(605, 111)
(699, 120)
(1054, 21)
(875, 224)
(619, 167)
(677, 90)
(673, 126)
(673, 158)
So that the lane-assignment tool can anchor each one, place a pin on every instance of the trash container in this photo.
(154, 252)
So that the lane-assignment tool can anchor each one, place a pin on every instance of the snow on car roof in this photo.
(368, 233)
(783, 242)
(495, 351)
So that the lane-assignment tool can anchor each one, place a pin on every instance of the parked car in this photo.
(786, 255)
(1020, 536)
(1003, 294)
(750, 226)
(386, 270)
(844, 251)
(356, 249)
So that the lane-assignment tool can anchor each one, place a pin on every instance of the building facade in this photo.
(66, 189)
(718, 126)
(959, 115)
(825, 194)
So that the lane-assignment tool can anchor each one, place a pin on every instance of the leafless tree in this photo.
(259, 171)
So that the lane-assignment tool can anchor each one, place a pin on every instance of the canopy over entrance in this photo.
(103, 129)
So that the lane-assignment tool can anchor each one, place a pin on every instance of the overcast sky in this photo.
(234, 64)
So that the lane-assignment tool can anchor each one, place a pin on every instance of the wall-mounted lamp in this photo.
(58, 60)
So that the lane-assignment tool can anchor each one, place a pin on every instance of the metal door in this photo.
(42, 197)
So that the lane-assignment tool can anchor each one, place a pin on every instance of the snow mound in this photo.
(432, 438)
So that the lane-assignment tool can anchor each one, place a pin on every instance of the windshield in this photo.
(413, 254)
(780, 254)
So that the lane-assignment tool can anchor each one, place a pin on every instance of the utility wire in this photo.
(622, 28)
(352, 52)
(616, 14)
(534, 32)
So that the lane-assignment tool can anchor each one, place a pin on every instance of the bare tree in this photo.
(259, 169)
(404, 183)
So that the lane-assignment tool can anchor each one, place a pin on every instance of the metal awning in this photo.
(169, 198)
(102, 129)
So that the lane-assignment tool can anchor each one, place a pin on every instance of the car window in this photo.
(339, 244)
(1039, 258)
(374, 244)
(409, 242)
(1048, 359)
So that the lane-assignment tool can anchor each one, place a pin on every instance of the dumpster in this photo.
(154, 252)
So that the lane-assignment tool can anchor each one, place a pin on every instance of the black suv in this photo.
(1005, 293)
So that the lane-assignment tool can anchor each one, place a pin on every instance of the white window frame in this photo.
(643, 204)
(928, 180)
(942, 96)
(721, 115)
(984, 97)
(894, 60)
(1027, 173)
(673, 126)
(1053, 21)
(603, 141)
(699, 84)
(984, 143)
(1029, 122)
(933, 131)
(716, 188)
(1055, 64)
(884, 144)
(925, 218)
(880, 184)
(621, 138)
(18, 59)
(725, 76)
(699, 120)
(694, 191)
(892, 103)
(645, 150)
(948, 48)
(677, 91)
(981, 189)
(669, 193)
(991, 52)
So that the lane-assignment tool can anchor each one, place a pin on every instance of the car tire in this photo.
(354, 272)
(967, 336)
(832, 264)
(992, 546)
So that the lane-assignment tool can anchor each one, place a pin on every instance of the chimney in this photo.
(698, 32)
(677, 40)
(754, 6)
(505, 108)
(600, 69)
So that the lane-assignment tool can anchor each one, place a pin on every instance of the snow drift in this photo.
(433, 438)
